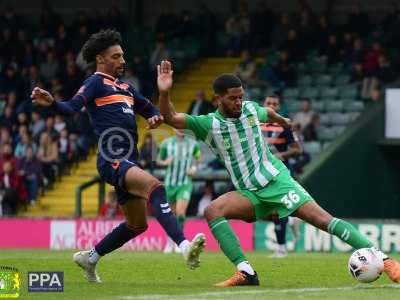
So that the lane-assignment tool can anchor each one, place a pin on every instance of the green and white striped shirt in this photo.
(239, 144)
(183, 151)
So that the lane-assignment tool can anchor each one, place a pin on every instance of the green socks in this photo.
(348, 234)
(181, 220)
(227, 240)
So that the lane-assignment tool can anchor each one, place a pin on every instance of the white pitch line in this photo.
(258, 291)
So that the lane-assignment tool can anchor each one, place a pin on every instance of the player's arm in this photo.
(44, 98)
(274, 117)
(162, 159)
(147, 110)
(164, 82)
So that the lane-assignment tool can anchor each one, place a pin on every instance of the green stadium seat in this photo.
(354, 106)
(293, 105)
(348, 91)
(326, 145)
(335, 69)
(339, 129)
(322, 80)
(334, 106)
(291, 93)
(325, 119)
(342, 79)
(309, 92)
(329, 92)
(326, 134)
(304, 81)
(353, 116)
(312, 148)
(318, 106)
(339, 118)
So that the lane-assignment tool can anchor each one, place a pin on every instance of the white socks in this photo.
(183, 245)
(245, 266)
(93, 256)
(282, 248)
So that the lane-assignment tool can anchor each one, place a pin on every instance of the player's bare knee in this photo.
(138, 228)
(212, 212)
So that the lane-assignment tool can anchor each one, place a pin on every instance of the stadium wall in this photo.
(85, 233)
(354, 177)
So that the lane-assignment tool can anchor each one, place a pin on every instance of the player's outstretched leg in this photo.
(136, 223)
(231, 205)
(313, 214)
(139, 182)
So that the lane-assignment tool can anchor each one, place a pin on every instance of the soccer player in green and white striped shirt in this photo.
(263, 183)
(181, 155)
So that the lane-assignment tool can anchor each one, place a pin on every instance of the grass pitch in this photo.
(151, 275)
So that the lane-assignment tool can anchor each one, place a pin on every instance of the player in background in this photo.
(112, 105)
(284, 144)
(263, 183)
(181, 155)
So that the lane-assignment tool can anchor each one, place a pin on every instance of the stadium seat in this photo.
(329, 92)
(325, 119)
(348, 91)
(312, 148)
(326, 133)
(322, 80)
(342, 79)
(309, 92)
(354, 106)
(293, 105)
(334, 106)
(339, 118)
(335, 69)
(353, 116)
(291, 93)
(304, 81)
(339, 129)
(318, 106)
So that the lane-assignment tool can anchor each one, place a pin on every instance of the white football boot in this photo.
(81, 258)
(192, 252)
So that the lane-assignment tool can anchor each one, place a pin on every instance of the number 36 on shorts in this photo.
(290, 198)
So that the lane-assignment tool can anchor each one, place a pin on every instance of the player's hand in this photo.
(154, 122)
(191, 171)
(287, 123)
(164, 76)
(41, 97)
(169, 160)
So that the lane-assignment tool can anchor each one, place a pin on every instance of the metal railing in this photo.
(79, 190)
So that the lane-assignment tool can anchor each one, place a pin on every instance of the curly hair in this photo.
(98, 42)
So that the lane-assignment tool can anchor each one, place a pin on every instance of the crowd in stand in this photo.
(37, 145)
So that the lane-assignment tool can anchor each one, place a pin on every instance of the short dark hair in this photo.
(98, 42)
(275, 96)
(224, 82)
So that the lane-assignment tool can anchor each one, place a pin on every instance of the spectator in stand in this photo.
(29, 168)
(200, 105)
(111, 209)
(159, 53)
(148, 152)
(8, 118)
(246, 69)
(131, 77)
(331, 51)
(281, 30)
(310, 132)
(206, 198)
(23, 144)
(12, 189)
(49, 129)
(385, 71)
(7, 156)
(64, 151)
(49, 69)
(3, 102)
(376, 96)
(304, 117)
(59, 123)
(37, 125)
(285, 70)
(48, 157)
(294, 46)
(5, 137)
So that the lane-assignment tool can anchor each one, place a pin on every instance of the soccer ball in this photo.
(366, 265)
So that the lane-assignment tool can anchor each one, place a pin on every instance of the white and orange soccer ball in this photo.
(366, 265)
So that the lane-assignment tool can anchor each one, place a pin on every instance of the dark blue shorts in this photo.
(114, 174)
